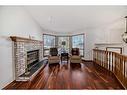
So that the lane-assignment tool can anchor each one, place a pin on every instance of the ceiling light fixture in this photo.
(124, 36)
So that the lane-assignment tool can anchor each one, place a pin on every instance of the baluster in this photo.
(112, 61)
(109, 60)
(124, 68)
(115, 65)
(106, 59)
(102, 58)
(121, 67)
(93, 55)
(126, 72)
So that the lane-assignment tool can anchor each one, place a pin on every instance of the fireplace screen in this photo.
(32, 58)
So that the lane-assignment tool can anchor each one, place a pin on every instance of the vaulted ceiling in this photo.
(73, 18)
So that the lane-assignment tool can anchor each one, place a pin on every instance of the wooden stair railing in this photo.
(114, 62)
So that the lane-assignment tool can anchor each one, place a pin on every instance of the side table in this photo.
(64, 56)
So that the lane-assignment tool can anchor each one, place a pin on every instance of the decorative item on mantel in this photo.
(29, 37)
(124, 36)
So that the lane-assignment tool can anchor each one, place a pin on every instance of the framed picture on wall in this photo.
(115, 49)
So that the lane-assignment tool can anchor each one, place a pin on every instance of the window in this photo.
(78, 42)
(49, 41)
(63, 39)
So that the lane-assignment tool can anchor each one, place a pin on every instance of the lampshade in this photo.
(124, 36)
(63, 43)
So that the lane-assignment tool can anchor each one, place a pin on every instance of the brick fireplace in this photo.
(27, 53)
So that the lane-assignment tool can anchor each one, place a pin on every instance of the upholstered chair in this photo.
(75, 56)
(53, 57)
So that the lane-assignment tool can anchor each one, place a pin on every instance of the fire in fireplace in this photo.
(32, 58)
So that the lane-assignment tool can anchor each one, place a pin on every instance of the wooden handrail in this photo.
(114, 62)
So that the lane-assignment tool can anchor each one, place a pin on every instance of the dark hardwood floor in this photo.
(86, 75)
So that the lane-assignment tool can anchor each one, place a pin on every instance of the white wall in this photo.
(111, 34)
(14, 21)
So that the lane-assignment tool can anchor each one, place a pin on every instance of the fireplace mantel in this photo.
(22, 39)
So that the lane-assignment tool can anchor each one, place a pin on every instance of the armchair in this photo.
(53, 58)
(75, 57)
